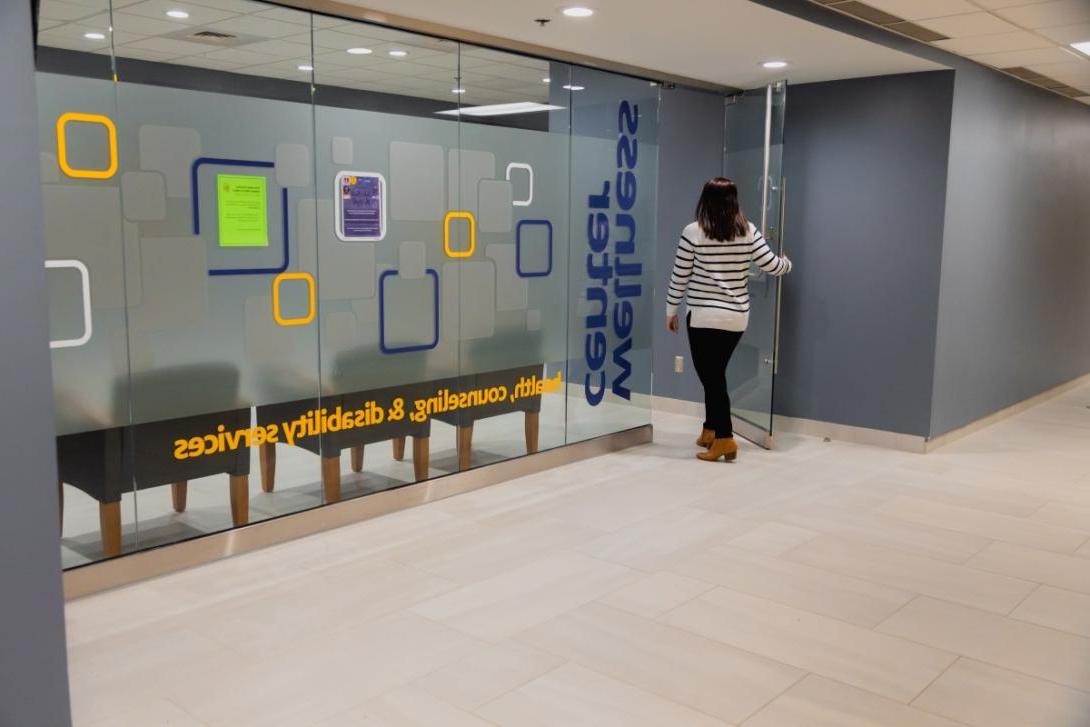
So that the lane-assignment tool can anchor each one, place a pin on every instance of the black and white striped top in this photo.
(713, 277)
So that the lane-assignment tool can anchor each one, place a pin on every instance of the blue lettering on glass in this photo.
(624, 272)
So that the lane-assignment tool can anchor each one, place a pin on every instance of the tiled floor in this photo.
(821, 584)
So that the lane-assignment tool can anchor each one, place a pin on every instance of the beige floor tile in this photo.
(135, 710)
(891, 667)
(409, 707)
(886, 531)
(518, 599)
(1021, 531)
(987, 696)
(998, 640)
(1065, 514)
(655, 594)
(649, 544)
(793, 584)
(315, 677)
(820, 702)
(773, 538)
(719, 680)
(1054, 569)
(913, 573)
(573, 696)
(1057, 608)
(488, 673)
(485, 548)
(950, 491)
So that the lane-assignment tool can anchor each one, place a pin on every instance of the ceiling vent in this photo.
(212, 36)
(883, 19)
(1039, 79)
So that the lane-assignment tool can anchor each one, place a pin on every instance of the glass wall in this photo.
(295, 259)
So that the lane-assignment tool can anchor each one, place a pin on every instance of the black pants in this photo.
(711, 349)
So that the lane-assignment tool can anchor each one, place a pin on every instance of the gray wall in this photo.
(690, 152)
(33, 669)
(1014, 311)
(865, 162)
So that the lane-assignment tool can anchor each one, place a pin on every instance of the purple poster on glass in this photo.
(361, 206)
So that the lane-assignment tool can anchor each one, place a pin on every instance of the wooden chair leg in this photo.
(357, 458)
(240, 499)
(267, 463)
(109, 521)
(533, 427)
(399, 448)
(331, 478)
(465, 446)
(178, 492)
(421, 455)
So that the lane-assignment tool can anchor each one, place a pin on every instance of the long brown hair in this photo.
(718, 213)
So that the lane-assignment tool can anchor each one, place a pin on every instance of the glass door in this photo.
(753, 158)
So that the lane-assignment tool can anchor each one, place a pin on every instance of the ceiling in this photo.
(718, 41)
(274, 42)
(1029, 39)
(721, 42)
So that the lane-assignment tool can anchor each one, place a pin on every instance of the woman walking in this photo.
(711, 273)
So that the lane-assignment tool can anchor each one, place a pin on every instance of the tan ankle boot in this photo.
(707, 436)
(725, 448)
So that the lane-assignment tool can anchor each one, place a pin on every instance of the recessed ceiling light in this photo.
(305, 67)
(178, 14)
(94, 36)
(774, 64)
(398, 53)
(569, 87)
(1082, 47)
(359, 51)
(578, 11)
(546, 80)
(457, 90)
(501, 109)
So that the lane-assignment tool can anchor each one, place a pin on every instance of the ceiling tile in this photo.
(144, 25)
(170, 45)
(1025, 57)
(996, 4)
(919, 9)
(968, 25)
(1048, 14)
(1075, 73)
(1067, 34)
(253, 25)
(157, 9)
(1001, 42)
(61, 10)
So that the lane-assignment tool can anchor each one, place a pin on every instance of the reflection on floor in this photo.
(823, 583)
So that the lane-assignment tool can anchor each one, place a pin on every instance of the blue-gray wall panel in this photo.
(865, 162)
(690, 153)
(1015, 298)
(33, 670)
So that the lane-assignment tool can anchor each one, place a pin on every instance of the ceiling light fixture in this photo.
(457, 90)
(359, 51)
(546, 80)
(578, 11)
(306, 67)
(1082, 47)
(398, 53)
(94, 36)
(501, 109)
(774, 64)
(570, 87)
(177, 14)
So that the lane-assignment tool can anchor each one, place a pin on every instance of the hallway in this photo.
(821, 584)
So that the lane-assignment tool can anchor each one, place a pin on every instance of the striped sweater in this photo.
(713, 277)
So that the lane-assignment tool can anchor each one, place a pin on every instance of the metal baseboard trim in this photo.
(102, 576)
